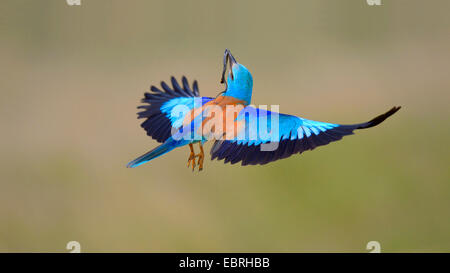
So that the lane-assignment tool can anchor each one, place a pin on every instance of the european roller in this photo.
(178, 116)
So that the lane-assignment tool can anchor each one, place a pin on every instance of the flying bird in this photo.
(178, 116)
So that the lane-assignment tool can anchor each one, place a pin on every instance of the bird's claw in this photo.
(200, 161)
(191, 159)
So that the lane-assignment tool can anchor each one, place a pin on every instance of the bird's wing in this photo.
(159, 106)
(262, 140)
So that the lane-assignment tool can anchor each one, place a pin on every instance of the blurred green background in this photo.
(72, 76)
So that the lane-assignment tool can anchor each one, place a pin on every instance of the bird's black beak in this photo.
(228, 57)
(231, 58)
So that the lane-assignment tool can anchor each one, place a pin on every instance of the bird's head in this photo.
(239, 82)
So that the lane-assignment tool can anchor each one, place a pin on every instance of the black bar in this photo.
(223, 262)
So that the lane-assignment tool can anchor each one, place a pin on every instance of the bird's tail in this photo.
(166, 147)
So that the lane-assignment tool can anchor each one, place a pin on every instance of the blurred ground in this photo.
(72, 77)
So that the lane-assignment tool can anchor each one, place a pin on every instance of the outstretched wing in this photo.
(263, 139)
(159, 105)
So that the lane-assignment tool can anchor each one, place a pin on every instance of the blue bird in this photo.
(178, 116)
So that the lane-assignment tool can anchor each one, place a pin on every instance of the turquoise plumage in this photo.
(178, 116)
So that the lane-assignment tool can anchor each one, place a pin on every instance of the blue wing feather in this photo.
(158, 110)
(291, 135)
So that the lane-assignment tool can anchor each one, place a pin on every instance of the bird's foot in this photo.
(192, 156)
(201, 156)
(191, 159)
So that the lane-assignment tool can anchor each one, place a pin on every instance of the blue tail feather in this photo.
(158, 151)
